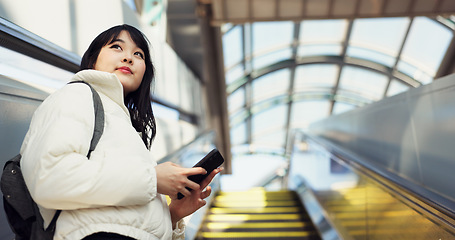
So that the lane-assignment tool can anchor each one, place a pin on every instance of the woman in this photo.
(118, 192)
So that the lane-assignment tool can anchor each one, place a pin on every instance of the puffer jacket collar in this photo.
(105, 83)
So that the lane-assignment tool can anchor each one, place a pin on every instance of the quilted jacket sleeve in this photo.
(57, 171)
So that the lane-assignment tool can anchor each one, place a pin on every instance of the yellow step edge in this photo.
(223, 226)
(382, 222)
(257, 234)
(344, 202)
(381, 207)
(256, 210)
(252, 217)
(255, 191)
(253, 198)
(270, 193)
(399, 232)
(256, 204)
(370, 214)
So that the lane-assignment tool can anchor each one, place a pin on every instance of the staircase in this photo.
(257, 214)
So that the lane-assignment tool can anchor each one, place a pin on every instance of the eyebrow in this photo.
(122, 41)
(117, 40)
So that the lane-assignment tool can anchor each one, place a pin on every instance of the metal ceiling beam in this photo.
(339, 60)
(233, 11)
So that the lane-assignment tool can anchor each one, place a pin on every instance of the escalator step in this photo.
(253, 217)
(257, 226)
(218, 210)
(261, 235)
(257, 214)
(254, 197)
(256, 204)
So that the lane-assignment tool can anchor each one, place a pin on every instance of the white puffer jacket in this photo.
(114, 190)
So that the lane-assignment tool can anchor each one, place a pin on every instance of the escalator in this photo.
(257, 214)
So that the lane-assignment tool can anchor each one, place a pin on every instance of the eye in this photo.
(116, 46)
(139, 54)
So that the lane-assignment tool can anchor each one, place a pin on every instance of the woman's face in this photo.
(124, 58)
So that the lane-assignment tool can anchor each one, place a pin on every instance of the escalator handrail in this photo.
(32, 45)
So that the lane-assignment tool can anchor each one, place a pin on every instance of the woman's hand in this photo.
(173, 179)
(189, 204)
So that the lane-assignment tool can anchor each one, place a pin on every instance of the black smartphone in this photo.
(210, 162)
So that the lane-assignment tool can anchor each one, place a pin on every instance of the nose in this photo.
(128, 60)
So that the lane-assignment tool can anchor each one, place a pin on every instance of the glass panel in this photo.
(414, 72)
(315, 76)
(341, 107)
(274, 117)
(318, 50)
(322, 31)
(234, 74)
(396, 87)
(377, 39)
(426, 45)
(238, 134)
(167, 87)
(236, 100)
(164, 112)
(282, 35)
(371, 55)
(238, 117)
(273, 139)
(232, 46)
(167, 139)
(270, 58)
(131, 4)
(28, 70)
(189, 132)
(244, 174)
(262, 87)
(185, 78)
(306, 112)
(366, 83)
(198, 107)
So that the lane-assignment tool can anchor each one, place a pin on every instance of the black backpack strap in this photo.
(98, 131)
(99, 117)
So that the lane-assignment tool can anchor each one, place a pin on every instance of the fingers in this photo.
(201, 203)
(195, 171)
(192, 185)
(210, 177)
(206, 193)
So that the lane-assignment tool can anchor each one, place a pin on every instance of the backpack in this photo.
(22, 212)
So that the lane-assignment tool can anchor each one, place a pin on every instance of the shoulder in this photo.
(71, 100)
(70, 93)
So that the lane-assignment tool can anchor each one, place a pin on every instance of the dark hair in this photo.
(139, 101)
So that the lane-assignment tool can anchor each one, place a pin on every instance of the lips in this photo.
(126, 70)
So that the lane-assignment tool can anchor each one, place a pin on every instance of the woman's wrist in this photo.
(174, 217)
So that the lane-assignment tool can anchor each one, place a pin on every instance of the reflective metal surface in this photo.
(347, 202)
(409, 137)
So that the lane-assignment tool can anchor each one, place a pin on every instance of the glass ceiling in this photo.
(286, 75)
